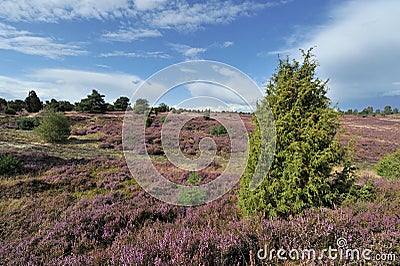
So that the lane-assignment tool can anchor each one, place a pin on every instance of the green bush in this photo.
(389, 166)
(9, 165)
(54, 127)
(213, 130)
(10, 111)
(27, 123)
(206, 115)
(189, 196)
(221, 130)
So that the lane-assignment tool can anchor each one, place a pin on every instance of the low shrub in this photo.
(54, 128)
(10, 111)
(27, 123)
(10, 165)
(389, 166)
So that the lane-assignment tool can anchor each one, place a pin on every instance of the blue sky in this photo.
(64, 49)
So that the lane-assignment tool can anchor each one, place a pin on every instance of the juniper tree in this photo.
(307, 152)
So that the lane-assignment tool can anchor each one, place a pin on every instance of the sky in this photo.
(64, 49)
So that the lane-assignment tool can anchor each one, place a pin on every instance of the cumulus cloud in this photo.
(358, 49)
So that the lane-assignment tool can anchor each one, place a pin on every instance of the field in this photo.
(77, 203)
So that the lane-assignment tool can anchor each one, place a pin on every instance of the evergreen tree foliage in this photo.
(3, 104)
(17, 105)
(94, 103)
(388, 110)
(33, 103)
(141, 106)
(121, 104)
(59, 106)
(302, 173)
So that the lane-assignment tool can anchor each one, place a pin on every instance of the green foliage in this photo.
(206, 115)
(94, 103)
(396, 110)
(301, 174)
(54, 127)
(388, 110)
(17, 105)
(163, 119)
(109, 107)
(59, 106)
(27, 123)
(213, 130)
(366, 192)
(121, 104)
(189, 196)
(3, 104)
(141, 106)
(367, 111)
(221, 130)
(389, 166)
(149, 121)
(9, 165)
(33, 103)
(162, 108)
(10, 111)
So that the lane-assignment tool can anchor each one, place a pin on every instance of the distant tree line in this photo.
(387, 110)
(93, 103)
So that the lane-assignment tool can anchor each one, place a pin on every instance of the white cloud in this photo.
(187, 51)
(227, 44)
(155, 14)
(193, 17)
(130, 34)
(68, 84)
(56, 10)
(157, 54)
(148, 4)
(358, 48)
(27, 43)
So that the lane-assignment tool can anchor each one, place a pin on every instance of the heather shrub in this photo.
(9, 165)
(54, 127)
(389, 166)
(27, 123)
(301, 175)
